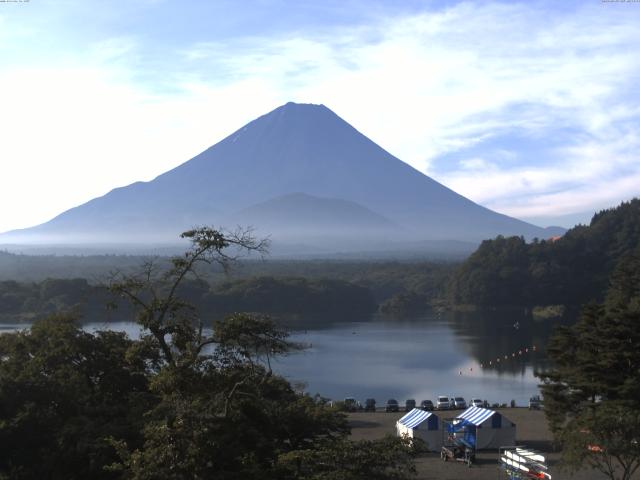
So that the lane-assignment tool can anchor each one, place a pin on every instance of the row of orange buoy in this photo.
(513, 355)
(505, 358)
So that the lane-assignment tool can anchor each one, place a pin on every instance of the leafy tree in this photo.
(386, 459)
(182, 402)
(592, 395)
(168, 320)
(624, 290)
(279, 295)
(222, 412)
(606, 438)
(62, 393)
(403, 304)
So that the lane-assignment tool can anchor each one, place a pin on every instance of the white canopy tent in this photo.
(423, 425)
(484, 428)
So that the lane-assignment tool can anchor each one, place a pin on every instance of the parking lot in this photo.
(532, 431)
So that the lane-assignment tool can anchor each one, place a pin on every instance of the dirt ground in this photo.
(531, 430)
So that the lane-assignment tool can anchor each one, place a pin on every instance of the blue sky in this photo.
(531, 108)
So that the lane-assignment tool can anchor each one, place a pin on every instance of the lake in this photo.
(419, 357)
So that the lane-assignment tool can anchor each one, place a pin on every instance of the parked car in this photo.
(459, 402)
(392, 405)
(476, 402)
(370, 405)
(426, 405)
(443, 403)
(535, 403)
(409, 405)
(351, 404)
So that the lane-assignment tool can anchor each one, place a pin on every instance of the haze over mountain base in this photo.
(300, 175)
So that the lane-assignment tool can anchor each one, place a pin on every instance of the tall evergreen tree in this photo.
(592, 395)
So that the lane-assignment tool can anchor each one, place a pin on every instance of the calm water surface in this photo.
(420, 358)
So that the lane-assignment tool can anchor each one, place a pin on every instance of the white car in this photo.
(535, 403)
(443, 403)
(476, 402)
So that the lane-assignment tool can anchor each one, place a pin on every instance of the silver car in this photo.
(443, 403)
(459, 402)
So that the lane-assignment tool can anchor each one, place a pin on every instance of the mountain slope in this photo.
(312, 214)
(294, 148)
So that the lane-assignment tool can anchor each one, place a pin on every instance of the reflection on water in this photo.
(424, 357)
(420, 357)
(488, 336)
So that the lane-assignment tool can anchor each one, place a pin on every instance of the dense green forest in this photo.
(571, 270)
(35, 268)
(277, 295)
(29, 301)
(384, 277)
(42, 286)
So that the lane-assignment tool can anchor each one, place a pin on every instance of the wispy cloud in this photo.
(523, 107)
(448, 81)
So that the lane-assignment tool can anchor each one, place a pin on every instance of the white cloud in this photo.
(477, 164)
(79, 124)
(594, 175)
(427, 83)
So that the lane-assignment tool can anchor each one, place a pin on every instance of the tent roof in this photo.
(476, 415)
(414, 418)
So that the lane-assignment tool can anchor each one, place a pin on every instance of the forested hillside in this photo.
(21, 302)
(36, 285)
(35, 268)
(571, 270)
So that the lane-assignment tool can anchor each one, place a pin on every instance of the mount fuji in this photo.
(300, 174)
